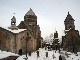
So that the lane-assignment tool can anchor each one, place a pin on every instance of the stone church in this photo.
(30, 23)
(71, 40)
(26, 35)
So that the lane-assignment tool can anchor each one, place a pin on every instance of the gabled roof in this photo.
(30, 12)
(22, 25)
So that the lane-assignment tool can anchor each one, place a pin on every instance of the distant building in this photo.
(71, 40)
(56, 41)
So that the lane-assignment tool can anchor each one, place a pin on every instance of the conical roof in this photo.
(30, 12)
(69, 17)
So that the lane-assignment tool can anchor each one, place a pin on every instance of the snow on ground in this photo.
(4, 54)
(42, 55)
(50, 55)
(71, 56)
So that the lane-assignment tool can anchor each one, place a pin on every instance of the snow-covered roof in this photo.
(56, 38)
(66, 30)
(30, 12)
(47, 43)
(13, 27)
(15, 31)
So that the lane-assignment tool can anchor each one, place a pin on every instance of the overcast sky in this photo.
(51, 13)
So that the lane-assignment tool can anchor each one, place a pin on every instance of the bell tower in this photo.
(13, 24)
(30, 17)
(56, 41)
(56, 35)
(69, 22)
(13, 21)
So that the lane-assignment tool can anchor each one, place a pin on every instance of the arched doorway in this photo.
(20, 52)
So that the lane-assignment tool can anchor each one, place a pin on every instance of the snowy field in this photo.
(42, 55)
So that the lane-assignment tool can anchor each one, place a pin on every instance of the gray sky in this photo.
(51, 13)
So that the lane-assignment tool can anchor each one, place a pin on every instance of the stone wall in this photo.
(2, 39)
(21, 41)
(10, 45)
(6, 40)
(12, 42)
(31, 45)
(71, 41)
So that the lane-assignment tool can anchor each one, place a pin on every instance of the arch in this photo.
(20, 52)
